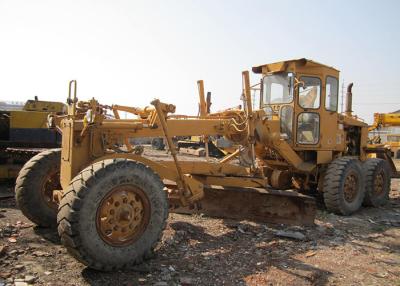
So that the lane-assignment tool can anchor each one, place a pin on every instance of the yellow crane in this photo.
(382, 120)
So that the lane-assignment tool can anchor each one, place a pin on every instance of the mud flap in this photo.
(254, 204)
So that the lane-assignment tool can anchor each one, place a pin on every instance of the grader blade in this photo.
(254, 204)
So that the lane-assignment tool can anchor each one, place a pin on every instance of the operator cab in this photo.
(303, 96)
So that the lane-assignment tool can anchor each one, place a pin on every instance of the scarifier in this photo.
(113, 201)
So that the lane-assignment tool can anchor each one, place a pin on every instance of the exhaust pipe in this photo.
(349, 100)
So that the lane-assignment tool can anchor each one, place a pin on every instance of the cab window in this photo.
(331, 94)
(278, 88)
(308, 128)
(309, 92)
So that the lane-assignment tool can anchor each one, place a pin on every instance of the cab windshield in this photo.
(278, 88)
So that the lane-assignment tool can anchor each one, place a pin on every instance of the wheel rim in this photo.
(123, 215)
(50, 183)
(351, 187)
(379, 183)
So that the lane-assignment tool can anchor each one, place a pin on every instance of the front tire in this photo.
(113, 213)
(34, 187)
(343, 186)
(377, 182)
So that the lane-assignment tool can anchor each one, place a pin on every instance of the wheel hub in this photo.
(123, 215)
(350, 187)
(51, 183)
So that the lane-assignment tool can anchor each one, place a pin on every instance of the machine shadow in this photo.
(49, 234)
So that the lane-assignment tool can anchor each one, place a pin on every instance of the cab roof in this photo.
(291, 65)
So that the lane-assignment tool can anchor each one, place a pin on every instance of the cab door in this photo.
(308, 120)
(316, 112)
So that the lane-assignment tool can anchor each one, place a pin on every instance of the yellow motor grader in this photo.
(110, 202)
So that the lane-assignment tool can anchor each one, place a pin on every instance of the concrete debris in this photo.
(291, 234)
(19, 267)
(20, 283)
(12, 239)
(171, 268)
(30, 279)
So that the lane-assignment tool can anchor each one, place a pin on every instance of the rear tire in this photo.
(343, 186)
(34, 185)
(377, 180)
(113, 213)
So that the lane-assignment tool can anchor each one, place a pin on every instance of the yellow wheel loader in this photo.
(24, 134)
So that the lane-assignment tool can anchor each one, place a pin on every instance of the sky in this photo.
(130, 52)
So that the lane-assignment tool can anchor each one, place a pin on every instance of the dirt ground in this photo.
(363, 249)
